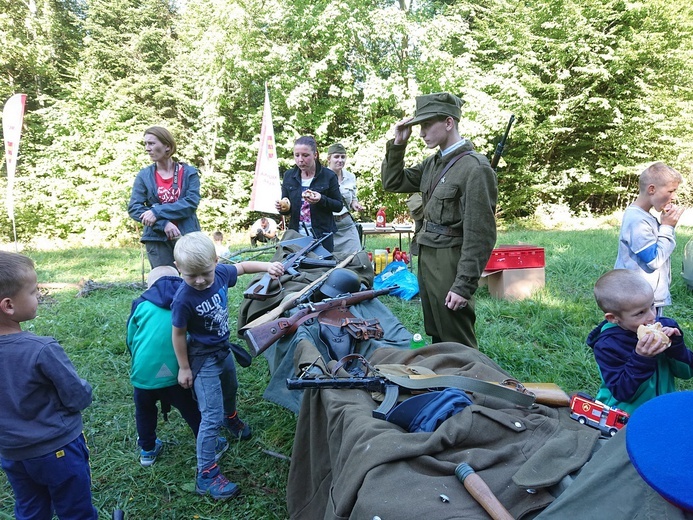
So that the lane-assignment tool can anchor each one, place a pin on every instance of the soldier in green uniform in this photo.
(459, 191)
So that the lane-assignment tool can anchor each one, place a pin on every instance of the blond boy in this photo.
(645, 244)
(201, 342)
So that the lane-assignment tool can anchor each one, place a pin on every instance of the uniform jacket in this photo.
(154, 363)
(629, 379)
(464, 200)
(42, 396)
(325, 182)
(182, 212)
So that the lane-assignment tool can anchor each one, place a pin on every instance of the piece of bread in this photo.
(284, 205)
(653, 328)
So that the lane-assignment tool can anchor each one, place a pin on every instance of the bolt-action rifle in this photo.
(260, 289)
(501, 144)
(260, 338)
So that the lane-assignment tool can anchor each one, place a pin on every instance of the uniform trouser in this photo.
(160, 253)
(437, 271)
(215, 387)
(59, 480)
(146, 411)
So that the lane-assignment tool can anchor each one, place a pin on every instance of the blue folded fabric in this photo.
(425, 412)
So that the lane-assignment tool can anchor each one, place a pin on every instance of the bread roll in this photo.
(284, 205)
(654, 328)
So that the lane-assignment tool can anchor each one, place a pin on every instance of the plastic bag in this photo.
(396, 273)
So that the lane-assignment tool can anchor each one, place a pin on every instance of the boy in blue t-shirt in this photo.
(201, 342)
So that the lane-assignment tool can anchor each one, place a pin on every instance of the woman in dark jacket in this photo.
(164, 197)
(310, 193)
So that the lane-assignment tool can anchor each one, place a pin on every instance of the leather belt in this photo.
(339, 218)
(441, 230)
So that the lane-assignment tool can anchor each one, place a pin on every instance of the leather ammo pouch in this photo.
(339, 330)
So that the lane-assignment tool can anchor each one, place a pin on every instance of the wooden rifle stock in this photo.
(260, 289)
(260, 338)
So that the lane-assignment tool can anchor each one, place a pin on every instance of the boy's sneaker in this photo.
(220, 448)
(211, 481)
(147, 458)
(237, 428)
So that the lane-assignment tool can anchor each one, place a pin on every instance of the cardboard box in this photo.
(515, 284)
(516, 257)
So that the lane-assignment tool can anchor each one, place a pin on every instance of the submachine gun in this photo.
(260, 289)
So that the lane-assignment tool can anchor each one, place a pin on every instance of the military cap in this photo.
(660, 446)
(336, 148)
(438, 104)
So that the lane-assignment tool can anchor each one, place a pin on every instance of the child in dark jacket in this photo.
(634, 370)
(154, 368)
(42, 448)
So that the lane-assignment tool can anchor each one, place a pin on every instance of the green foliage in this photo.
(599, 89)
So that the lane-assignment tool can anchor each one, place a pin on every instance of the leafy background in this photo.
(599, 88)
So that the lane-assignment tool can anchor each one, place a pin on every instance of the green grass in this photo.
(538, 339)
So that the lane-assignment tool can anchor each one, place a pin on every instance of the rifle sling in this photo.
(467, 384)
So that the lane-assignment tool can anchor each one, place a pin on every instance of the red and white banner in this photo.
(266, 186)
(12, 118)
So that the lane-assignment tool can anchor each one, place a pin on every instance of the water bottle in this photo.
(417, 341)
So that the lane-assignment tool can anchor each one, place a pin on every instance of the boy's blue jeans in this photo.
(60, 481)
(215, 389)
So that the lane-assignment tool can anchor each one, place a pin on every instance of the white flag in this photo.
(12, 118)
(266, 186)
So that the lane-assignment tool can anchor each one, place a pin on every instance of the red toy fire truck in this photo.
(585, 409)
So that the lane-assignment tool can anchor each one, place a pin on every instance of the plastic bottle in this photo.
(380, 259)
(380, 220)
(417, 341)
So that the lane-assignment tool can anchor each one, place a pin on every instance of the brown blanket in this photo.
(346, 464)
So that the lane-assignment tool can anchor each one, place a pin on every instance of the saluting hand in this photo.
(402, 132)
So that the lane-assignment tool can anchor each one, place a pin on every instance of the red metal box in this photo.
(515, 257)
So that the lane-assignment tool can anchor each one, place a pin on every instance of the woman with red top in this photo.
(164, 197)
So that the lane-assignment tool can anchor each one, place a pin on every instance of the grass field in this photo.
(538, 339)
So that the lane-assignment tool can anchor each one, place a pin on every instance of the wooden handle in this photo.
(481, 492)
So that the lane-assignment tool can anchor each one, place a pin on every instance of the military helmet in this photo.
(340, 281)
